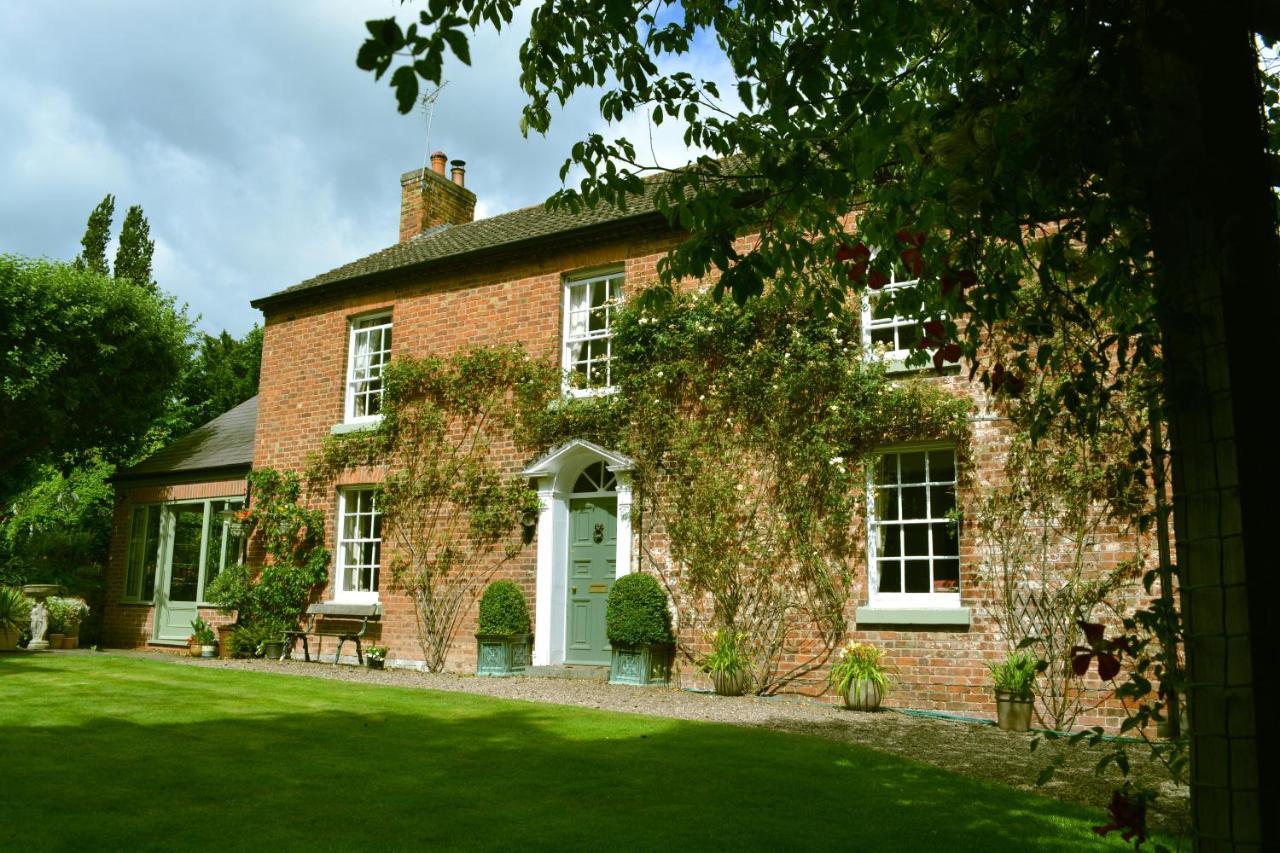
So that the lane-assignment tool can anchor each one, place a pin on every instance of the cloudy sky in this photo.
(259, 152)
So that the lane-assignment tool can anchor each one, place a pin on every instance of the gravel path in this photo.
(974, 750)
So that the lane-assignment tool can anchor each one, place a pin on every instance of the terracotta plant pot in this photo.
(193, 649)
(226, 646)
(8, 639)
(69, 643)
(863, 695)
(55, 640)
(1013, 713)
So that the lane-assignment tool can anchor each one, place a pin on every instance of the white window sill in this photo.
(354, 598)
(355, 426)
(882, 615)
(581, 393)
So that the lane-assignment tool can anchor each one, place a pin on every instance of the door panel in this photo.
(593, 537)
(180, 590)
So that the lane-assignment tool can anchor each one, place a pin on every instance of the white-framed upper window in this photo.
(589, 308)
(359, 546)
(913, 546)
(367, 355)
(881, 328)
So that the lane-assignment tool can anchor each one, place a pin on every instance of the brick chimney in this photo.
(429, 198)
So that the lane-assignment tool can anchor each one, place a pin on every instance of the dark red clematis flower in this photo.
(1128, 817)
(1106, 651)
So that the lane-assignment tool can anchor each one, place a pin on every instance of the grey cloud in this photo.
(260, 153)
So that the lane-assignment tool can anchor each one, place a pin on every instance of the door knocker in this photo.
(599, 536)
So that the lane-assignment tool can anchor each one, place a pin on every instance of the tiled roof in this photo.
(508, 229)
(224, 442)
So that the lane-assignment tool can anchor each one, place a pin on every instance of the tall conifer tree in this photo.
(93, 255)
(133, 257)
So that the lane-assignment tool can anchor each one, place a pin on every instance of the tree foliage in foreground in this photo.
(1114, 158)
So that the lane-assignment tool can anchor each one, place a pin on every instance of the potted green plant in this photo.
(638, 627)
(728, 664)
(503, 641)
(1013, 679)
(205, 638)
(15, 612)
(860, 677)
(375, 657)
(66, 616)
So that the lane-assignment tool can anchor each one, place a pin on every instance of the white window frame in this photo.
(896, 357)
(357, 326)
(931, 599)
(572, 339)
(340, 591)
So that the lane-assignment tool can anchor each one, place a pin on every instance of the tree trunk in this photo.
(1202, 150)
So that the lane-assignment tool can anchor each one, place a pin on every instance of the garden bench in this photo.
(332, 620)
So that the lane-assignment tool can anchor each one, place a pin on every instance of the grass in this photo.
(105, 752)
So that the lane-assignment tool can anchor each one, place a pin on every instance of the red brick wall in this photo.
(126, 624)
(513, 300)
(519, 299)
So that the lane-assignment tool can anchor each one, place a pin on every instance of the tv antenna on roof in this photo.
(428, 104)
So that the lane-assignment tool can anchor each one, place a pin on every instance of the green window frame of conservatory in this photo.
(151, 532)
(143, 555)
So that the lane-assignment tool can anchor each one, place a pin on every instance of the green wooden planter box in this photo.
(645, 666)
(499, 654)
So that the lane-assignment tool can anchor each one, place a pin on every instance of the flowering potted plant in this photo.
(729, 663)
(204, 637)
(1013, 679)
(860, 677)
(638, 626)
(375, 656)
(503, 640)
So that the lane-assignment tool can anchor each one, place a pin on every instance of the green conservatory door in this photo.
(177, 595)
(593, 548)
(196, 541)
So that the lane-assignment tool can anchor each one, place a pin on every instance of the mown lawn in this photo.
(104, 752)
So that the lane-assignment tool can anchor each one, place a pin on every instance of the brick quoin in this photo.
(506, 297)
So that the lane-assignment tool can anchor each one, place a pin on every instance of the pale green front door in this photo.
(177, 595)
(593, 551)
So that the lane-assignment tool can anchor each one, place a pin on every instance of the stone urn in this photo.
(731, 684)
(863, 695)
(38, 592)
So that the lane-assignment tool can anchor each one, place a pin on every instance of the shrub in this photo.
(65, 615)
(858, 662)
(1016, 674)
(729, 654)
(503, 610)
(15, 608)
(637, 614)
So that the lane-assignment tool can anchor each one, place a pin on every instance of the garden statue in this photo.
(39, 613)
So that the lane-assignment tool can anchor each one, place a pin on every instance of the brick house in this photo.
(543, 279)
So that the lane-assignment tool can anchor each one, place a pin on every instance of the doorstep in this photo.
(570, 670)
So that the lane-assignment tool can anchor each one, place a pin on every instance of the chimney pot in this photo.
(437, 162)
(459, 172)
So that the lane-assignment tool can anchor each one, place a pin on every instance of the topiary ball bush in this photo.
(637, 613)
(503, 610)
